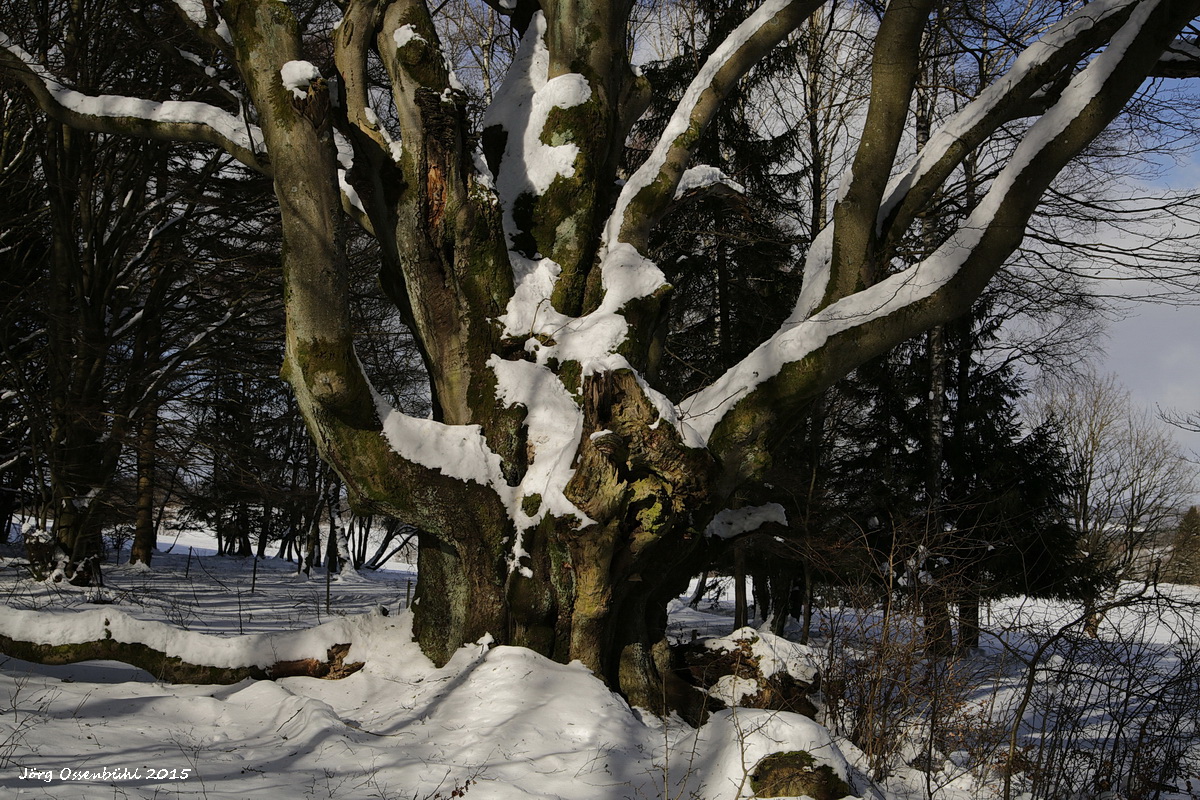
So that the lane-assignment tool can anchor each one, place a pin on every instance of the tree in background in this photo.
(1128, 476)
(1048, 317)
(22, 216)
(128, 264)
(107, 266)
(1184, 566)
(997, 524)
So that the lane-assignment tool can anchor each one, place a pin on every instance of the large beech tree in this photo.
(561, 497)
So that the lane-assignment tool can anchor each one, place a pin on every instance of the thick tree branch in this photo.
(854, 261)
(375, 176)
(452, 272)
(351, 44)
(595, 98)
(338, 403)
(650, 190)
(170, 120)
(412, 54)
(1022, 91)
(758, 396)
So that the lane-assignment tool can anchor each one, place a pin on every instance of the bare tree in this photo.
(1184, 566)
(1130, 478)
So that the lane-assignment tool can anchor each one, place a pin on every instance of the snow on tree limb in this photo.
(180, 655)
(554, 422)
(202, 17)
(648, 191)
(702, 177)
(522, 108)
(1181, 60)
(174, 120)
(527, 167)
(735, 521)
(457, 451)
(925, 292)
(627, 276)
(1059, 48)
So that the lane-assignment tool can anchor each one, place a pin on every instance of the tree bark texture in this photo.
(145, 530)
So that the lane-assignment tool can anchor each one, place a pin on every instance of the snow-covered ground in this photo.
(495, 722)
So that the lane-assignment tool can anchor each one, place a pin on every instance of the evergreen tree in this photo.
(999, 523)
(1184, 566)
(727, 245)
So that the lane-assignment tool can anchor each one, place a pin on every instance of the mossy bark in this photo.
(796, 773)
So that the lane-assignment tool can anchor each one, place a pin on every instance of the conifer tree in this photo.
(728, 244)
(1185, 550)
(999, 525)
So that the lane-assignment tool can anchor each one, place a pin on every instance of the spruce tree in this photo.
(998, 525)
(1184, 566)
(739, 217)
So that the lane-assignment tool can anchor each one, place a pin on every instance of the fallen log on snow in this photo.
(174, 655)
(173, 669)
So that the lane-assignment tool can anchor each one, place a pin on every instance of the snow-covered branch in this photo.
(529, 165)
(803, 354)
(1058, 50)
(172, 120)
(735, 521)
(201, 16)
(178, 655)
(1181, 60)
(649, 191)
(554, 422)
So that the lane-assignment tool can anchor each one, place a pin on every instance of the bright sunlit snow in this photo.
(495, 722)
(501, 721)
